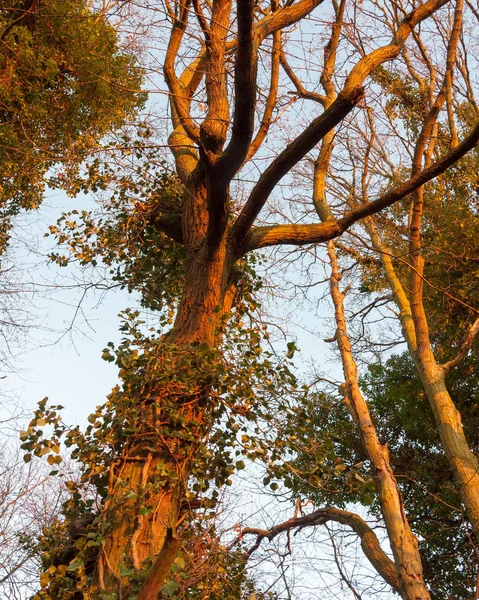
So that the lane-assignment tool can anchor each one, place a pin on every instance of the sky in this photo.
(58, 353)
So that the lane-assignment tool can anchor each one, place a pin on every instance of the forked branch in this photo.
(271, 235)
(369, 541)
(319, 127)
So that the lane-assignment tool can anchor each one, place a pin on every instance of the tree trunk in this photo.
(449, 423)
(148, 483)
(404, 544)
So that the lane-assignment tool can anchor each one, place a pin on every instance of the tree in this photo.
(397, 241)
(148, 451)
(29, 502)
(66, 83)
(430, 493)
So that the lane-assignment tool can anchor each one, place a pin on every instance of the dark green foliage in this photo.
(317, 453)
(433, 502)
(65, 84)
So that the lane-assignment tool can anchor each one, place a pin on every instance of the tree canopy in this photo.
(65, 84)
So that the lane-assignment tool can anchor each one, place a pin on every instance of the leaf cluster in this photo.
(65, 84)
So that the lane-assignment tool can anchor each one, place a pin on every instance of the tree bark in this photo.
(403, 542)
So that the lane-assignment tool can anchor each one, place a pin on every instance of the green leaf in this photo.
(169, 588)
(76, 564)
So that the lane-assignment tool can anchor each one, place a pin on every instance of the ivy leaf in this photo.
(76, 564)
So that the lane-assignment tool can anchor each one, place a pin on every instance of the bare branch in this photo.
(176, 93)
(271, 100)
(465, 347)
(369, 541)
(319, 127)
(285, 17)
(246, 67)
(261, 237)
(292, 154)
(300, 89)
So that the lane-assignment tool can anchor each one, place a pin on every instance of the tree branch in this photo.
(179, 101)
(271, 100)
(246, 68)
(271, 235)
(291, 155)
(26, 12)
(369, 541)
(319, 127)
(286, 16)
(301, 91)
(160, 567)
(466, 346)
(181, 145)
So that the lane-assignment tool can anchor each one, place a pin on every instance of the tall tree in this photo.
(147, 452)
(446, 221)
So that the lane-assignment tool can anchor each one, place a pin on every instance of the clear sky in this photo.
(59, 353)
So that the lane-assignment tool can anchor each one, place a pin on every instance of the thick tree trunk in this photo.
(136, 537)
(148, 483)
(404, 544)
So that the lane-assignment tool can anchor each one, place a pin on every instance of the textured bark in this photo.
(136, 538)
(160, 568)
(449, 423)
(464, 463)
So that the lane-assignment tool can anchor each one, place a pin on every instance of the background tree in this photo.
(433, 497)
(65, 84)
(30, 500)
